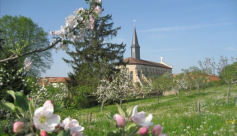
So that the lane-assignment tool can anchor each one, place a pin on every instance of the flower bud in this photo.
(43, 133)
(143, 130)
(18, 127)
(48, 101)
(121, 122)
(29, 99)
(157, 130)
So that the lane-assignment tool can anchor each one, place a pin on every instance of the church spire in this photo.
(135, 48)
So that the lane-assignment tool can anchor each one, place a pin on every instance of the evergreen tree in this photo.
(94, 57)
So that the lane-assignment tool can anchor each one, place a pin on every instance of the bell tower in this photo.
(135, 48)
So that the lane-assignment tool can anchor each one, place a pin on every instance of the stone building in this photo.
(142, 69)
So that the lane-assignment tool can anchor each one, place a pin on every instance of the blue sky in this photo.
(182, 31)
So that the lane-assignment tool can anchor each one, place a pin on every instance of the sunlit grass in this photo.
(177, 116)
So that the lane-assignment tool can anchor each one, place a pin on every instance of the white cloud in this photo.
(177, 28)
(231, 49)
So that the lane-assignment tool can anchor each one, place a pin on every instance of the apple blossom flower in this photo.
(48, 101)
(98, 10)
(43, 133)
(121, 122)
(29, 99)
(157, 130)
(18, 127)
(140, 118)
(98, 1)
(143, 130)
(45, 119)
(27, 64)
(73, 126)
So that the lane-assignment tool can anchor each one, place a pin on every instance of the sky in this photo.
(183, 32)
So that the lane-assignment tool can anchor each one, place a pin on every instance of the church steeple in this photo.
(135, 48)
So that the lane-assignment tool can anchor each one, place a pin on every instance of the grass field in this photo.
(177, 116)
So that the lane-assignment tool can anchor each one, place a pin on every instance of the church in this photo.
(142, 69)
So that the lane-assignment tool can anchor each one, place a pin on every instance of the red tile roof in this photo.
(53, 80)
(130, 60)
(213, 78)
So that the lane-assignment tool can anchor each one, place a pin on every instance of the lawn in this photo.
(177, 116)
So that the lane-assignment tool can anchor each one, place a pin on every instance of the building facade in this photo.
(142, 69)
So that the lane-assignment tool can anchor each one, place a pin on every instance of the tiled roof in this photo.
(130, 60)
(210, 77)
(213, 78)
(53, 80)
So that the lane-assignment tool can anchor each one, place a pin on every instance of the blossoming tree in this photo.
(119, 88)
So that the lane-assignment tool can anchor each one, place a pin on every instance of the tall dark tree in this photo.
(94, 57)
(19, 30)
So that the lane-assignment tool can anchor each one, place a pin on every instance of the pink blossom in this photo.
(29, 99)
(140, 118)
(157, 130)
(143, 130)
(43, 133)
(18, 127)
(27, 64)
(73, 126)
(121, 122)
(47, 102)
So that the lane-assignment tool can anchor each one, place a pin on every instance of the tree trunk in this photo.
(102, 106)
(179, 94)
(189, 90)
(158, 97)
(198, 89)
(121, 103)
(228, 93)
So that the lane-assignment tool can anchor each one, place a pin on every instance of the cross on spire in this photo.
(134, 21)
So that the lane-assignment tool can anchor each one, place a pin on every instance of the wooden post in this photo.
(90, 118)
(199, 110)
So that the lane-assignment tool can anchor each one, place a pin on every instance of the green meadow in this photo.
(179, 117)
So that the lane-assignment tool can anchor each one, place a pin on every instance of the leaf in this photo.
(129, 111)
(109, 116)
(21, 101)
(131, 127)
(120, 110)
(14, 52)
(8, 106)
(32, 107)
(12, 93)
(64, 133)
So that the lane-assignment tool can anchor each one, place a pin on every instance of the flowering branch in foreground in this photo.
(73, 30)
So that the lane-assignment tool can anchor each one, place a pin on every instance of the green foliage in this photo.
(162, 83)
(229, 73)
(22, 35)
(12, 77)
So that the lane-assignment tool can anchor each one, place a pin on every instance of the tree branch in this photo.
(13, 57)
